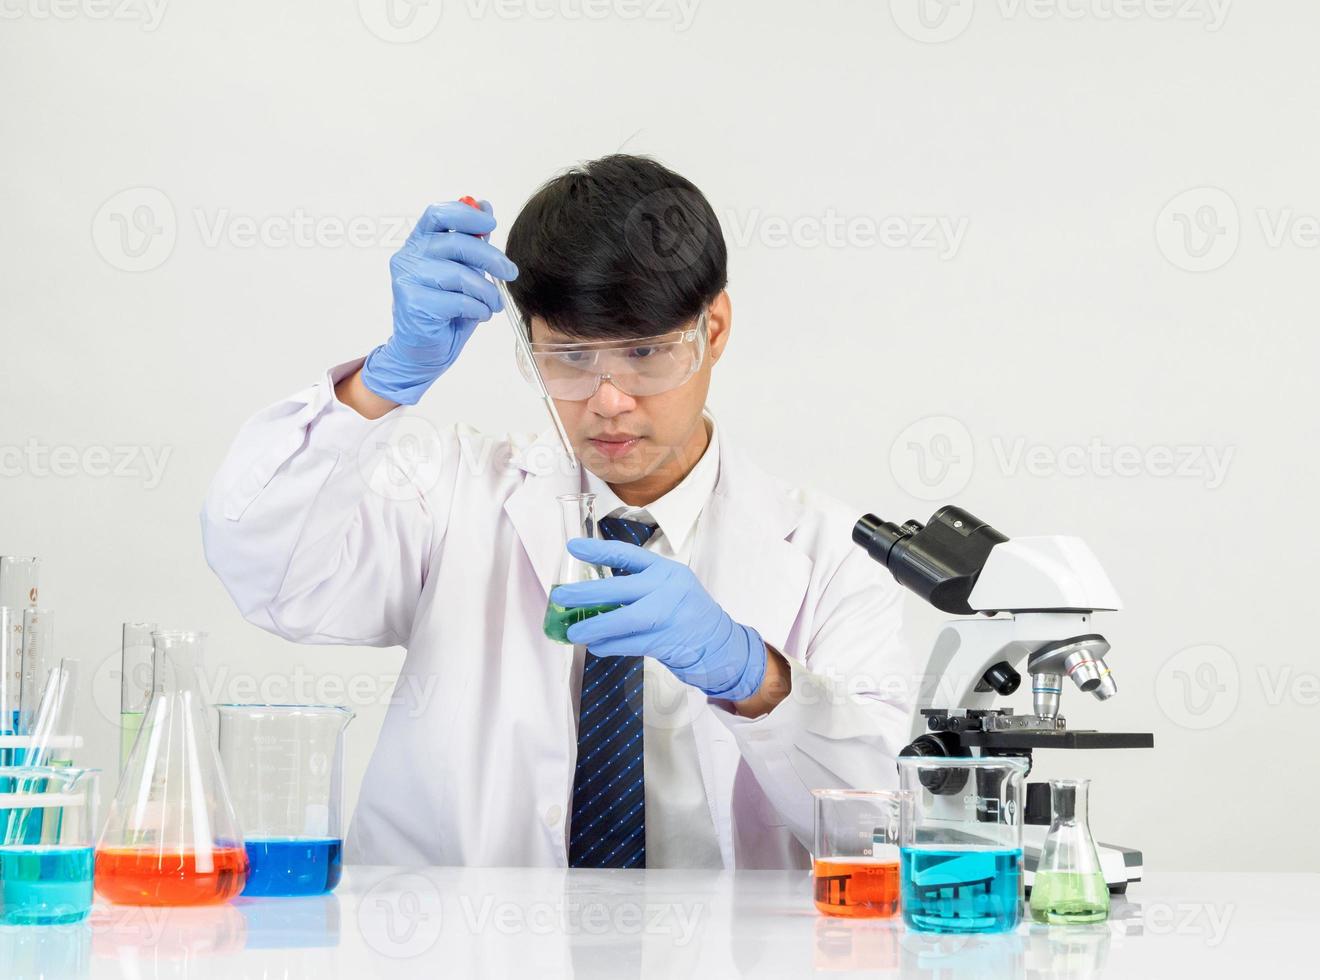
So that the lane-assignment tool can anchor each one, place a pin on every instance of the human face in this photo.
(643, 445)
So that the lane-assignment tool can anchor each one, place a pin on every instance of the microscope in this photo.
(1029, 601)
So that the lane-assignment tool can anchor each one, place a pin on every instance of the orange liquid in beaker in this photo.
(134, 876)
(857, 888)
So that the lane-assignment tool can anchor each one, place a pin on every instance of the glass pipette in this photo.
(525, 346)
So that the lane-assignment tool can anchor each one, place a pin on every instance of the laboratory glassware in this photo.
(52, 735)
(285, 766)
(522, 338)
(18, 591)
(1069, 886)
(11, 672)
(47, 828)
(855, 854)
(38, 660)
(134, 684)
(961, 843)
(578, 515)
(18, 582)
(171, 837)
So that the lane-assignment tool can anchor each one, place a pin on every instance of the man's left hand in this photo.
(664, 612)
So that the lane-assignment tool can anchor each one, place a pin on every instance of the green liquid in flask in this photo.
(559, 618)
(1063, 898)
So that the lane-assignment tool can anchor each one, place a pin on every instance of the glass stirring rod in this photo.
(524, 344)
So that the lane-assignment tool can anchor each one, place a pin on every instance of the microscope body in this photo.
(1027, 606)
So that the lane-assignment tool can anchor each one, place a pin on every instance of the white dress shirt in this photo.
(679, 830)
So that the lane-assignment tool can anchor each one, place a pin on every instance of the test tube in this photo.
(38, 659)
(135, 684)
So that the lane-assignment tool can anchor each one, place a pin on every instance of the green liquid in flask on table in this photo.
(559, 618)
(1062, 898)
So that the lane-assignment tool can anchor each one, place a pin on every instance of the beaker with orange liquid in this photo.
(171, 837)
(855, 856)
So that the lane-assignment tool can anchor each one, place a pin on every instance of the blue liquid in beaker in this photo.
(293, 865)
(952, 890)
(44, 885)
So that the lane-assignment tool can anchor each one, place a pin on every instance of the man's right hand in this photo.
(440, 295)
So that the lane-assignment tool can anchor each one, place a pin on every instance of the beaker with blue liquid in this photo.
(960, 855)
(285, 764)
(47, 831)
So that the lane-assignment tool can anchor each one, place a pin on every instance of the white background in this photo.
(1091, 307)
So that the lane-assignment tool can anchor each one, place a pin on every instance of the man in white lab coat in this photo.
(755, 653)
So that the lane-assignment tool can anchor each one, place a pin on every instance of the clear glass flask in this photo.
(1069, 886)
(285, 764)
(38, 661)
(135, 684)
(961, 854)
(855, 852)
(171, 837)
(47, 827)
(578, 515)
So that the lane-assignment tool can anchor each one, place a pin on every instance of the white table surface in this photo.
(516, 922)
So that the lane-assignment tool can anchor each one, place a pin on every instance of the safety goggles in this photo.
(645, 366)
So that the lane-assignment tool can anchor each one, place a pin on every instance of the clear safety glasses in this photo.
(645, 366)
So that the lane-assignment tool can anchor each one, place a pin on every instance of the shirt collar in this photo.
(677, 511)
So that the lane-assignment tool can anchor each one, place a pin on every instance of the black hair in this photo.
(617, 247)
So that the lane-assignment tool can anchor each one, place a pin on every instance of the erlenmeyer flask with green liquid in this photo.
(1069, 887)
(578, 513)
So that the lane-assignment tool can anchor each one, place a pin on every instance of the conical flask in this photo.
(1070, 886)
(577, 512)
(171, 837)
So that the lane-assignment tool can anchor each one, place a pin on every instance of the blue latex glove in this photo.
(440, 295)
(665, 613)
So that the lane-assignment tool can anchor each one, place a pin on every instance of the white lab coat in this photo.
(328, 528)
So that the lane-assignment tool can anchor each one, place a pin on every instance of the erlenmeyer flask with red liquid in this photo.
(171, 837)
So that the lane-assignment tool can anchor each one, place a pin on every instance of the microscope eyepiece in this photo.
(939, 561)
(879, 537)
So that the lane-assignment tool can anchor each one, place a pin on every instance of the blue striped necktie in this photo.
(608, 828)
